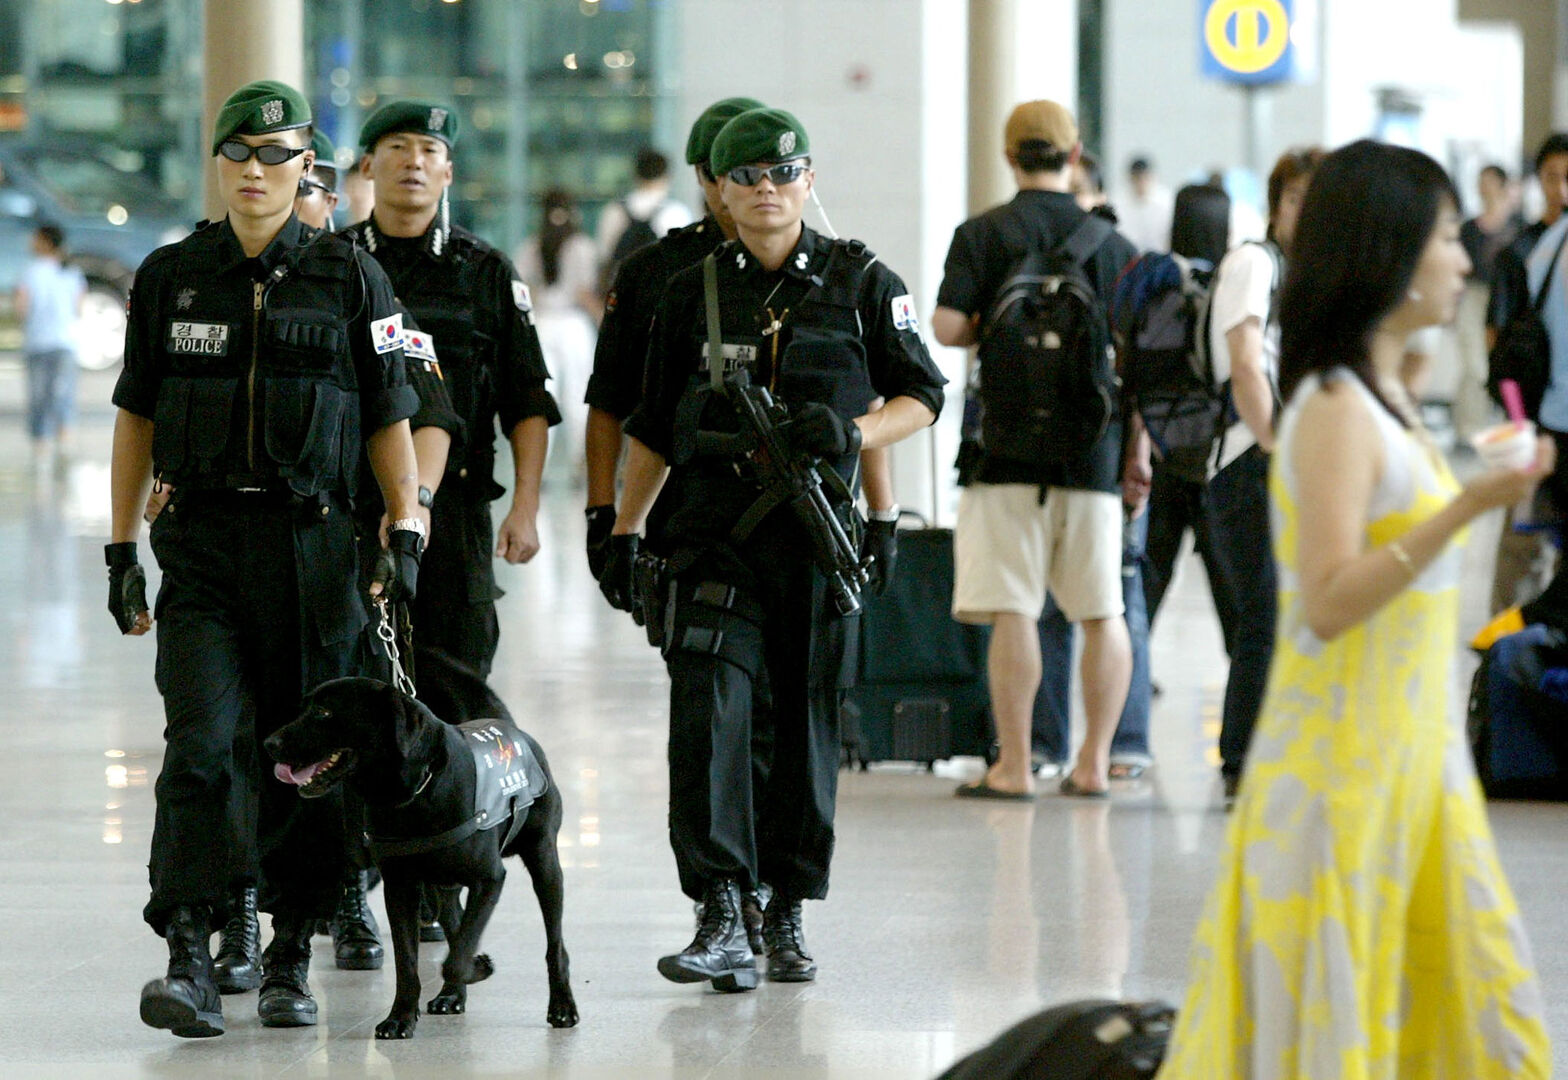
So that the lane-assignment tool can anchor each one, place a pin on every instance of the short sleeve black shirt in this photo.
(616, 385)
(983, 253)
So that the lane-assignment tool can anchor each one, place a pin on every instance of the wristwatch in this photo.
(410, 524)
(426, 496)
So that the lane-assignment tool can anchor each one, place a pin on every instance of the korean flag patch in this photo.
(520, 297)
(904, 317)
(418, 345)
(387, 334)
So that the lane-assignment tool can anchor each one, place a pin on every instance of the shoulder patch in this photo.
(904, 317)
(521, 297)
(387, 334)
(419, 345)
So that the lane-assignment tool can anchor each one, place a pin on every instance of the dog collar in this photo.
(419, 789)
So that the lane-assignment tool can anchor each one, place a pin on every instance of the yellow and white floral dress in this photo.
(1361, 926)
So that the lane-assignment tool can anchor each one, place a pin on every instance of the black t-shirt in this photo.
(983, 253)
(1510, 284)
(1483, 247)
(617, 382)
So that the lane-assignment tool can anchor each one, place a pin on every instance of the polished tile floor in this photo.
(947, 922)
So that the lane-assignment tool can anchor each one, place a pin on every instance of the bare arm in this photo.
(517, 540)
(1337, 457)
(602, 448)
(130, 475)
(431, 445)
(952, 327)
(893, 422)
(645, 473)
(391, 451)
(20, 301)
(1249, 383)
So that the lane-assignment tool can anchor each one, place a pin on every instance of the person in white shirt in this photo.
(1244, 347)
(647, 211)
(1143, 213)
(48, 304)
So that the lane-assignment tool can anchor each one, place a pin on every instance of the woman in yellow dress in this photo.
(1361, 926)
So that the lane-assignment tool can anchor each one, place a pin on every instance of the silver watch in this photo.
(412, 524)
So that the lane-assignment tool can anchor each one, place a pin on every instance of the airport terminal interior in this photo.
(948, 919)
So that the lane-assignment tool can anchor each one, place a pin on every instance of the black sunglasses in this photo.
(267, 154)
(786, 172)
(306, 185)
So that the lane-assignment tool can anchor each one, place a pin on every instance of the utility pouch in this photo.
(648, 587)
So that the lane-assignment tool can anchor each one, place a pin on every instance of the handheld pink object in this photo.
(1513, 400)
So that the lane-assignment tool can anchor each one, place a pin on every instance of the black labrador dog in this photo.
(445, 804)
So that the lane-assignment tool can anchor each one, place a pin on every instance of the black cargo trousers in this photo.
(257, 605)
(774, 646)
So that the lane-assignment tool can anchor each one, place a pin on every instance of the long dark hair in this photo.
(1367, 217)
(557, 224)
(1200, 223)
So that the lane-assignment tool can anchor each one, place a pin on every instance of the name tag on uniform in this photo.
(206, 339)
(418, 345)
(387, 334)
(735, 356)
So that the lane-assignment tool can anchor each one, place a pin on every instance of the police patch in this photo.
(387, 334)
(185, 299)
(204, 339)
(735, 356)
(272, 111)
(418, 345)
(904, 317)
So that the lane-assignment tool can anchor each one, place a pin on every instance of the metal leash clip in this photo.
(388, 637)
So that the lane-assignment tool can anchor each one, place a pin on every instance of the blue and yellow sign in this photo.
(1247, 41)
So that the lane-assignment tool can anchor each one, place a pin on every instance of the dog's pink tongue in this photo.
(289, 776)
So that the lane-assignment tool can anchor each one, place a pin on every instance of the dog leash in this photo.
(388, 638)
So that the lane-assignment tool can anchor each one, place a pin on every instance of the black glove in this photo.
(127, 584)
(397, 567)
(817, 429)
(601, 519)
(881, 543)
(616, 581)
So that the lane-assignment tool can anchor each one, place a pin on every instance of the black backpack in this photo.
(1081, 1040)
(1160, 314)
(638, 234)
(1523, 351)
(1047, 372)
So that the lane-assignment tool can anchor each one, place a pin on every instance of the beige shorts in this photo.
(1008, 549)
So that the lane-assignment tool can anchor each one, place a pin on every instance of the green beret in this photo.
(260, 108)
(420, 117)
(714, 117)
(757, 135)
(326, 153)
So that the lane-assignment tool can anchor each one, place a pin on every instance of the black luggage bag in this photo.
(922, 693)
(1081, 1040)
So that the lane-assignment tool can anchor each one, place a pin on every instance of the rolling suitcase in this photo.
(922, 694)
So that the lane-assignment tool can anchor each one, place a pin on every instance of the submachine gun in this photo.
(790, 476)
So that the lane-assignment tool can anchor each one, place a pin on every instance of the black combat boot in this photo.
(788, 960)
(356, 940)
(720, 952)
(751, 914)
(285, 988)
(185, 1000)
(238, 966)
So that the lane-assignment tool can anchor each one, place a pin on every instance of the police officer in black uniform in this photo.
(262, 359)
(476, 311)
(829, 330)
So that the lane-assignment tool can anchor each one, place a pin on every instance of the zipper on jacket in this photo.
(250, 385)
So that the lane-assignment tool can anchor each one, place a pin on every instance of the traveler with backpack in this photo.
(1028, 281)
(1244, 344)
(645, 215)
(1167, 369)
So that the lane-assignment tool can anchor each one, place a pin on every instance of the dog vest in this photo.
(507, 780)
